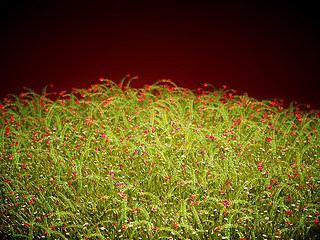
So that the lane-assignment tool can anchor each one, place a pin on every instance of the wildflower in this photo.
(217, 228)
(228, 181)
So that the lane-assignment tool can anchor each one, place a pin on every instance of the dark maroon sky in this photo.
(265, 49)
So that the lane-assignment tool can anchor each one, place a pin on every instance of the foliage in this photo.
(162, 161)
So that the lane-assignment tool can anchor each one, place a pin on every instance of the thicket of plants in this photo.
(158, 162)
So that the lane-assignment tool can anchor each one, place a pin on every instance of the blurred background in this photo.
(266, 49)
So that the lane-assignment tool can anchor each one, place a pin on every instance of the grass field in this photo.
(160, 162)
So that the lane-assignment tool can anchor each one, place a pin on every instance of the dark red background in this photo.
(265, 49)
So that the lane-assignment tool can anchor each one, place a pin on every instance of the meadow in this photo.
(158, 162)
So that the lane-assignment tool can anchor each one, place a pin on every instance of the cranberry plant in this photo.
(159, 162)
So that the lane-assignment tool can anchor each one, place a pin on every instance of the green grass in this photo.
(160, 162)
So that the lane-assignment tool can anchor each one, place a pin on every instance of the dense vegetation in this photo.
(115, 162)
